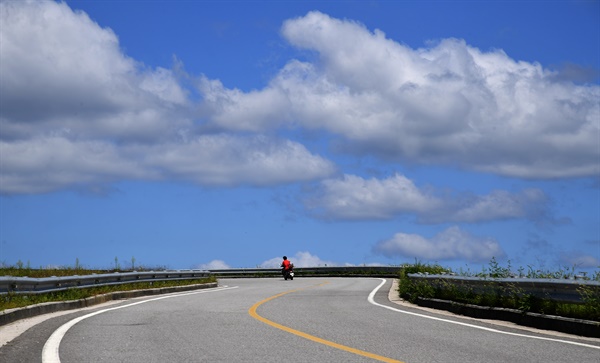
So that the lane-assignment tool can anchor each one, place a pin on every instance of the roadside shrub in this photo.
(501, 295)
(12, 300)
(410, 289)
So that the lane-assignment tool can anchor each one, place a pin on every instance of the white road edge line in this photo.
(372, 301)
(50, 350)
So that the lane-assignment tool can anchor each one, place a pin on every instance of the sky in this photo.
(217, 134)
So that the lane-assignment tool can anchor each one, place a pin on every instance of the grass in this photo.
(11, 300)
(509, 296)
(54, 272)
(25, 270)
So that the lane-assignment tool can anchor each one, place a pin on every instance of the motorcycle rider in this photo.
(286, 266)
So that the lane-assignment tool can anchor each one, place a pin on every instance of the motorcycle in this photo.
(289, 273)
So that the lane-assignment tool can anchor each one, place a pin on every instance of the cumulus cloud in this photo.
(300, 259)
(60, 70)
(531, 204)
(449, 104)
(77, 112)
(214, 265)
(578, 259)
(450, 244)
(241, 160)
(355, 198)
(232, 109)
(45, 164)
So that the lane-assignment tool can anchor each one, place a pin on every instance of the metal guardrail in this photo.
(28, 285)
(553, 289)
(384, 271)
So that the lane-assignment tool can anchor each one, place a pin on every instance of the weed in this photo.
(591, 298)
(410, 289)
(12, 300)
(497, 271)
(505, 295)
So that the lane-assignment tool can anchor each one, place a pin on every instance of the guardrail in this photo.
(28, 285)
(382, 271)
(553, 289)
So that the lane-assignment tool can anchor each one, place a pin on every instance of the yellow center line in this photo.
(254, 314)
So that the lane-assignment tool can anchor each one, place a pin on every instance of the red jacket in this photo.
(286, 264)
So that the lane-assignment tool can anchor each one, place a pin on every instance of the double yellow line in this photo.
(254, 314)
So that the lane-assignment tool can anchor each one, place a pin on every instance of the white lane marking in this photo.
(50, 350)
(372, 301)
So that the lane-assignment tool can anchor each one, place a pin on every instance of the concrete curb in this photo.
(11, 315)
(579, 327)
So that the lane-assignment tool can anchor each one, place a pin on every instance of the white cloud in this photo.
(214, 265)
(578, 259)
(77, 112)
(448, 104)
(531, 204)
(60, 70)
(241, 160)
(301, 259)
(236, 110)
(450, 244)
(355, 198)
(45, 164)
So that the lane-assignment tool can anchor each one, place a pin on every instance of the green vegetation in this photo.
(11, 300)
(22, 270)
(492, 294)
(17, 271)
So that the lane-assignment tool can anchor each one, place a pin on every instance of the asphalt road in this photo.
(272, 320)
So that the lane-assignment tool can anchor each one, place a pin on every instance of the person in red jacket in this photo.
(287, 269)
(285, 265)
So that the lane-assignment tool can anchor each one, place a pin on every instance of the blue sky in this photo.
(210, 134)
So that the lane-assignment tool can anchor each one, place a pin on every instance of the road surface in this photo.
(270, 320)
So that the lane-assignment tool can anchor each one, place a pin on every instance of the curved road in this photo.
(267, 320)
